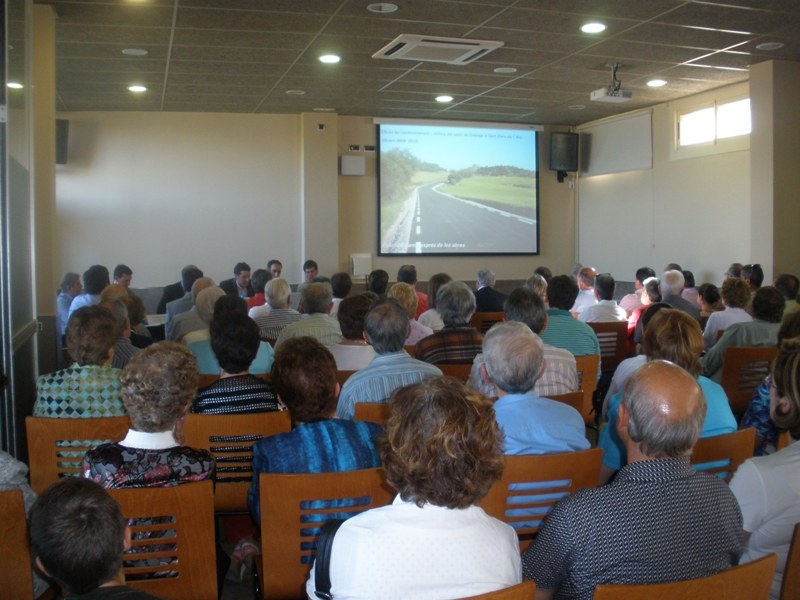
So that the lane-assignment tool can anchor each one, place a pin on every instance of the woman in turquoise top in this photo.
(674, 336)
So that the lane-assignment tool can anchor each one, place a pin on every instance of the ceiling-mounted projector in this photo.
(609, 94)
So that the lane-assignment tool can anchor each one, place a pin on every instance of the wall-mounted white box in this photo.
(352, 165)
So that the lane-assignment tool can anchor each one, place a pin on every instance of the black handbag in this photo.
(322, 562)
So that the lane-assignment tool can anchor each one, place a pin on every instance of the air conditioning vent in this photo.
(421, 48)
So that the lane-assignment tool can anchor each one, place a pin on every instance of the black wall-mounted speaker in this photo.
(563, 151)
(62, 141)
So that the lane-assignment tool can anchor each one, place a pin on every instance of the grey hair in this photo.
(486, 278)
(456, 303)
(69, 280)
(317, 297)
(538, 285)
(277, 292)
(386, 326)
(206, 300)
(672, 283)
(658, 435)
(513, 355)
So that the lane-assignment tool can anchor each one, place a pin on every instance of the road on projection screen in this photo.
(437, 222)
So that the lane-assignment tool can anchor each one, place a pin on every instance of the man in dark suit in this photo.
(240, 284)
(488, 299)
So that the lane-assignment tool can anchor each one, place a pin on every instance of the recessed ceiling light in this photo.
(135, 52)
(593, 27)
(770, 46)
(505, 70)
(444, 99)
(576, 106)
(656, 83)
(14, 85)
(329, 59)
(295, 92)
(382, 7)
(137, 88)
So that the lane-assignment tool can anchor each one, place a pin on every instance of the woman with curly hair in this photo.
(442, 452)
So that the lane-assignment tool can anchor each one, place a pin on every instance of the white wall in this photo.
(692, 211)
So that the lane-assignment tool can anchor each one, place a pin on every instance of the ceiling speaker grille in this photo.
(420, 48)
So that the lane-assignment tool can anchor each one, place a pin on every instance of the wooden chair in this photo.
(721, 455)
(521, 591)
(173, 530)
(783, 440)
(230, 439)
(291, 515)
(483, 321)
(612, 337)
(206, 380)
(574, 399)
(459, 371)
(56, 446)
(587, 367)
(749, 581)
(374, 412)
(16, 577)
(743, 369)
(342, 376)
(410, 349)
(790, 587)
(532, 484)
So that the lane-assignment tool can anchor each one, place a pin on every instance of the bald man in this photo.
(659, 520)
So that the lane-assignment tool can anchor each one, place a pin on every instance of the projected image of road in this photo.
(457, 190)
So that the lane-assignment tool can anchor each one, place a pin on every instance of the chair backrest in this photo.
(374, 412)
(230, 438)
(173, 553)
(790, 588)
(459, 371)
(521, 591)
(56, 446)
(612, 337)
(743, 369)
(206, 380)
(16, 577)
(721, 455)
(749, 581)
(574, 399)
(587, 367)
(291, 515)
(342, 376)
(532, 484)
(483, 321)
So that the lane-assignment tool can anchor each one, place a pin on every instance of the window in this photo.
(709, 124)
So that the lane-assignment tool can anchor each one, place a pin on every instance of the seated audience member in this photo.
(353, 352)
(735, 297)
(281, 314)
(538, 285)
(304, 376)
(405, 296)
(606, 309)
(123, 348)
(632, 301)
(650, 294)
(734, 271)
(431, 317)
(457, 342)
(606, 534)
(123, 275)
(275, 267)
(573, 273)
(95, 278)
(189, 320)
(170, 292)
(564, 331)
(585, 297)
(544, 272)
(558, 373)
(137, 315)
(14, 476)
(70, 287)
(377, 282)
(157, 388)
(758, 413)
(767, 307)
(204, 306)
(239, 284)
(258, 281)
(671, 287)
(386, 327)
(487, 299)
(408, 274)
(442, 454)
(689, 292)
(753, 276)
(189, 274)
(674, 336)
(79, 534)
(766, 487)
(235, 343)
(310, 270)
(341, 284)
(90, 387)
(710, 301)
(316, 301)
(673, 267)
(513, 357)
(788, 285)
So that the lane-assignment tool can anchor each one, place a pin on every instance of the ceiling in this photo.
(242, 56)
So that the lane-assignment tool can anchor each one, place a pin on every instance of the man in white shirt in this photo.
(586, 298)
(606, 309)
